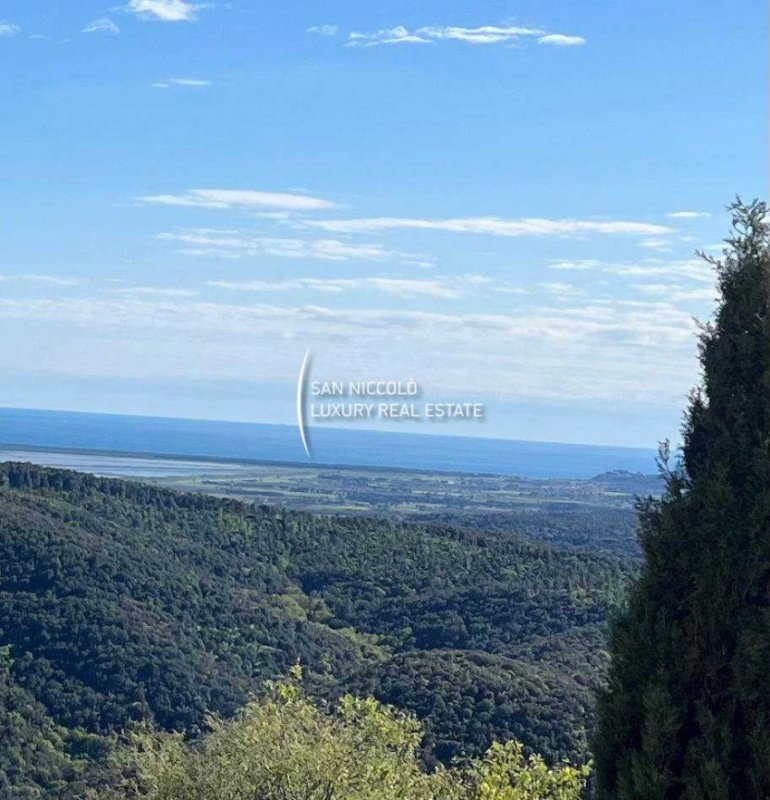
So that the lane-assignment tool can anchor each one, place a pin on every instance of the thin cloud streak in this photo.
(324, 30)
(561, 40)
(154, 291)
(442, 288)
(688, 214)
(194, 83)
(481, 35)
(235, 244)
(495, 226)
(695, 269)
(239, 199)
(103, 25)
(52, 280)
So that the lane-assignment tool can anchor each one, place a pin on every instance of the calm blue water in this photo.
(237, 440)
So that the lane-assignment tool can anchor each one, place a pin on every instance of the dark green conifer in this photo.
(686, 715)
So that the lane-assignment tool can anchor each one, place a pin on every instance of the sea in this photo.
(138, 445)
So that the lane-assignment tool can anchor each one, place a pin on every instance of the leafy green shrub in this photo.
(283, 747)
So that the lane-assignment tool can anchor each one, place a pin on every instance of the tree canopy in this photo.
(281, 746)
(122, 603)
(687, 711)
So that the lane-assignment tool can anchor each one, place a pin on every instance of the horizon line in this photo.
(322, 427)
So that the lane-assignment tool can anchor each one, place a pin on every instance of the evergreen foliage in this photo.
(283, 747)
(123, 603)
(34, 751)
(686, 715)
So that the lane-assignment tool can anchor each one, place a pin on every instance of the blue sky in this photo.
(500, 200)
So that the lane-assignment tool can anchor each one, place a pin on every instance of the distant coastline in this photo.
(256, 443)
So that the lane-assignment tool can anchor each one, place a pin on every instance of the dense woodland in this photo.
(122, 603)
(282, 746)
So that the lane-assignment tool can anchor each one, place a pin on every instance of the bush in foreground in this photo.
(283, 747)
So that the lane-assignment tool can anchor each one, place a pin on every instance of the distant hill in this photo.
(635, 482)
(121, 602)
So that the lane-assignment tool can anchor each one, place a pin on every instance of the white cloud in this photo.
(561, 40)
(443, 287)
(155, 291)
(676, 293)
(324, 30)
(482, 35)
(694, 269)
(103, 25)
(194, 83)
(580, 264)
(618, 351)
(397, 35)
(53, 280)
(164, 10)
(8, 28)
(495, 226)
(401, 287)
(688, 214)
(560, 290)
(404, 287)
(485, 34)
(655, 244)
(235, 244)
(240, 199)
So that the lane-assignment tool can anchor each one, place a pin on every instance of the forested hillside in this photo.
(282, 746)
(34, 751)
(121, 602)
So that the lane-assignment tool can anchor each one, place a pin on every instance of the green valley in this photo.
(122, 603)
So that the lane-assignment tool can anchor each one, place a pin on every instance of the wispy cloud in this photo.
(695, 269)
(8, 28)
(103, 25)
(688, 214)
(236, 244)
(580, 264)
(617, 350)
(400, 287)
(53, 280)
(190, 83)
(482, 35)
(561, 40)
(240, 199)
(560, 290)
(324, 30)
(486, 34)
(676, 293)
(496, 226)
(154, 291)
(164, 10)
(396, 35)
(656, 243)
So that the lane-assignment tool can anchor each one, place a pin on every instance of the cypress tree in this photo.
(686, 713)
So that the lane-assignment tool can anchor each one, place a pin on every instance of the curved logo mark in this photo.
(301, 393)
